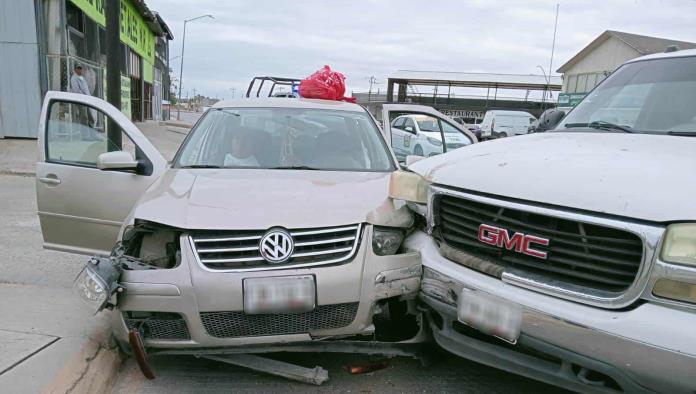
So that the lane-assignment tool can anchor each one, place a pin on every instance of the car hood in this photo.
(640, 176)
(260, 199)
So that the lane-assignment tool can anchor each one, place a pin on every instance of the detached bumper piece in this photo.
(316, 375)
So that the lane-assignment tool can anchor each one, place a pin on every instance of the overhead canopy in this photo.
(476, 80)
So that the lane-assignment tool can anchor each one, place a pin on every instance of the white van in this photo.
(498, 123)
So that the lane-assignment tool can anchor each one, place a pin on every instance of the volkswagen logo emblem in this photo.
(276, 246)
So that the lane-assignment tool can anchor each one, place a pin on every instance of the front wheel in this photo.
(502, 135)
(418, 151)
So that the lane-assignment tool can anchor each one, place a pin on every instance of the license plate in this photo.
(490, 315)
(285, 294)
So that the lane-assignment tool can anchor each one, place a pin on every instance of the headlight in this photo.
(96, 283)
(435, 141)
(408, 186)
(386, 241)
(679, 245)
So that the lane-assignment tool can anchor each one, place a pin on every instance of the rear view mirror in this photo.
(117, 160)
(550, 119)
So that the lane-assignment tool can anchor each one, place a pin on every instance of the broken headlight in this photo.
(679, 245)
(97, 282)
(386, 241)
(408, 186)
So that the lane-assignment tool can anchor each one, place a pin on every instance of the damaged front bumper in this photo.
(190, 307)
(646, 348)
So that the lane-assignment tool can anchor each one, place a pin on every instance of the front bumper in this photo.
(649, 347)
(192, 292)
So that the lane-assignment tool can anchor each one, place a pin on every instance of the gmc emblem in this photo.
(519, 242)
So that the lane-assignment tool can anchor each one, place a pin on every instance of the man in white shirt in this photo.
(242, 152)
(78, 84)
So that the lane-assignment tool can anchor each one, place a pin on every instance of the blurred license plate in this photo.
(285, 294)
(490, 315)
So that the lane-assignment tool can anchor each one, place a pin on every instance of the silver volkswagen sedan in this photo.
(272, 224)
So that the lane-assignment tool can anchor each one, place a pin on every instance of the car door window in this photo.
(76, 134)
(454, 138)
(410, 123)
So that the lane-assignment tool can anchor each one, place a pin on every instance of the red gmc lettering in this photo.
(518, 242)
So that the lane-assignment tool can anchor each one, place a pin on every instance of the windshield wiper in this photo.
(201, 166)
(682, 133)
(601, 125)
(294, 168)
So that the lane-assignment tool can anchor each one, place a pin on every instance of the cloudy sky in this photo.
(363, 38)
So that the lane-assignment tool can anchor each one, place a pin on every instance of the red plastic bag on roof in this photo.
(324, 84)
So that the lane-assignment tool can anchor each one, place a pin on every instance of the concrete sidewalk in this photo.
(49, 343)
(18, 156)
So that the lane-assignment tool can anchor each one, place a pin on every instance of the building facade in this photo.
(603, 55)
(59, 34)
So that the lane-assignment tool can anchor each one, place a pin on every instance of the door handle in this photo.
(50, 180)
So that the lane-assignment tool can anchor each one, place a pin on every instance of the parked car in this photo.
(273, 223)
(420, 134)
(570, 256)
(499, 123)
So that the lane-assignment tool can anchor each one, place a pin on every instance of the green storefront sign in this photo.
(570, 99)
(134, 31)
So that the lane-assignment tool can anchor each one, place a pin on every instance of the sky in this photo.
(365, 38)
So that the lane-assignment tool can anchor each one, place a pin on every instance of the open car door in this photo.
(93, 165)
(442, 134)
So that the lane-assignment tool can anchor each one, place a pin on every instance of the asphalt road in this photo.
(23, 261)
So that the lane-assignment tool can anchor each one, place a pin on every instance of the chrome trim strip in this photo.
(242, 260)
(222, 250)
(321, 252)
(324, 231)
(325, 241)
(650, 235)
(227, 239)
(358, 231)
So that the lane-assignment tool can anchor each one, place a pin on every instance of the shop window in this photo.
(75, 16)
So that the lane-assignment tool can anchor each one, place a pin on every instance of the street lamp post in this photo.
(181, 65)
(548, 84)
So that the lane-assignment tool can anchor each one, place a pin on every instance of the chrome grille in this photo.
(158, 325)
(588, 255)
(240, 324)
(233, 250)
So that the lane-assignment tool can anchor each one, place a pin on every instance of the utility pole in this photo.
(553, 44)
(181, 65)
(113, 69)
(372, 80)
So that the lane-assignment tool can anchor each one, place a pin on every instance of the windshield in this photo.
(288, 138)
(426, 123)
(652, 96)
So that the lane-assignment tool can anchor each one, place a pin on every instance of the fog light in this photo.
(386, 241)
(96, 283)
(675, 290)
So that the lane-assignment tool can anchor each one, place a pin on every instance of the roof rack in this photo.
(276, 81)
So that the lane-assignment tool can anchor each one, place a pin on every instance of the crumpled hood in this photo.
(260, 199)
(639, 176)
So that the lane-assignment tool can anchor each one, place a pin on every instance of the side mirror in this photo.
(411, 159)
(551, 120)
(117, 160)
(409, 129)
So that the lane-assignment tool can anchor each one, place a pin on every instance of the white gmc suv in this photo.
(570, 256)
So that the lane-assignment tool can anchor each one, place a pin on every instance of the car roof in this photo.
(283, 102)
(665, 55)
(513, 113)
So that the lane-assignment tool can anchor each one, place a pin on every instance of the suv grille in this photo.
(240, 324)
(240, 249)
(584, 254)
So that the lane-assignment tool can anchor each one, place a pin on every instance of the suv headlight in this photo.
(386, 241)
(96, 283)
(408, 186)
(679, 245)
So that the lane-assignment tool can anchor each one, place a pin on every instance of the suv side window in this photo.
(410, 123)
(77, 134)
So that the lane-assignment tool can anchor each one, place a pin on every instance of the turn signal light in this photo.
(675, 290)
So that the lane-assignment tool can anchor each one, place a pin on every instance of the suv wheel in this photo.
(418, 151)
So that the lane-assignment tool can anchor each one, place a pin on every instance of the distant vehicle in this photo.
(499, 123)
(474, 128)
(421, 135)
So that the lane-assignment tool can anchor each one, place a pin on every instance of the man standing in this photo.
(78, 84)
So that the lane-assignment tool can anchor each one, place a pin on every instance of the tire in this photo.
(418, 151)
(502, 135)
